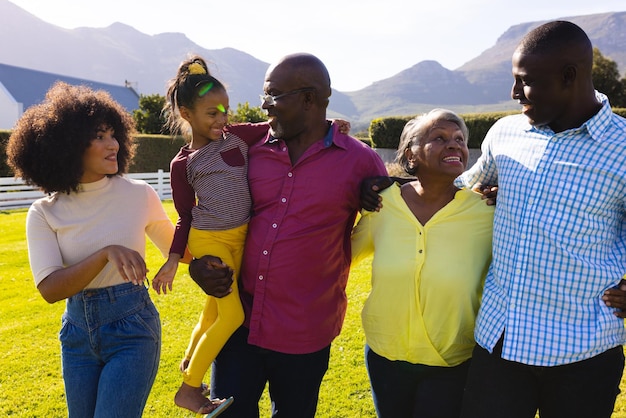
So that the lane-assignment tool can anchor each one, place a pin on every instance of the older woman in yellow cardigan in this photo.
(431, 246)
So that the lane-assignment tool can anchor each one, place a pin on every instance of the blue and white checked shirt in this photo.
(559, 238)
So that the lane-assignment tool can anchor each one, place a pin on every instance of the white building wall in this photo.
(10, 110)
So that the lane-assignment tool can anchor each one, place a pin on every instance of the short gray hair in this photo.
(418, 127)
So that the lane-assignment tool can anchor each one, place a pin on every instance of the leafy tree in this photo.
(245, 113)
(606, 79)
(148, 117)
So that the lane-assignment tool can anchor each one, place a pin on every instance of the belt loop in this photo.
(111, 293)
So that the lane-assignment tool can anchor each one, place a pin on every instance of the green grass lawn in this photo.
(30, 373)
(30, 369)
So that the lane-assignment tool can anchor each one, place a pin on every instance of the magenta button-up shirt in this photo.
(297, 254)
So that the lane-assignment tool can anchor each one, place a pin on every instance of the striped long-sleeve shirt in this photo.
(210, 185)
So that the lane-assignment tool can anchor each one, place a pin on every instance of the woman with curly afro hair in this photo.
(86, 244)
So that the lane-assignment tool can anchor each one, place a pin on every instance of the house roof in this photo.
(29, 87)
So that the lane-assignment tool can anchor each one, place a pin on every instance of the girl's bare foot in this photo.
(191, 398)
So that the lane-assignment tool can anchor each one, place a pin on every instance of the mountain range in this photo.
(119, 54)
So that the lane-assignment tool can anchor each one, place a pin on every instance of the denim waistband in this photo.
(92, 308)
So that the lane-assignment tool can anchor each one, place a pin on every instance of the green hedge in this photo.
(154, 152)
(385, 132)
(4, 169)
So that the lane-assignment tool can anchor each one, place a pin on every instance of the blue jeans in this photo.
(110, 349)
(501, 388)
(405, 390)
(241, 370)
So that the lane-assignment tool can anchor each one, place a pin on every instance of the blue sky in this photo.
(360, 41)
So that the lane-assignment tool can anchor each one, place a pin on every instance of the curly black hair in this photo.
(47, 144)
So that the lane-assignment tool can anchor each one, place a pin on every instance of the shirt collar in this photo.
(594, 126)
(599, 123)
(333, 137)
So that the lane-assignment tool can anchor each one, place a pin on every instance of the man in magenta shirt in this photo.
(305, 180)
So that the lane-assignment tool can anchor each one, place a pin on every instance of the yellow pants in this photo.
(221, 316)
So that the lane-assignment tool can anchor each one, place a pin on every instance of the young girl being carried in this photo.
(211, 195)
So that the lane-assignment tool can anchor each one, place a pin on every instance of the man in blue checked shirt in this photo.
(546, 340)
(549, 330)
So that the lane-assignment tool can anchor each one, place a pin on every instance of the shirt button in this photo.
(523, 236)
(531, 201)
(289, 174)
(261, 277)
(264, 252)
(284, 148)
(274, 226)
(420, 251)
(283, 200)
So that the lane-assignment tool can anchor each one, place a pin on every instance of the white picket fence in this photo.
(14, 193)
